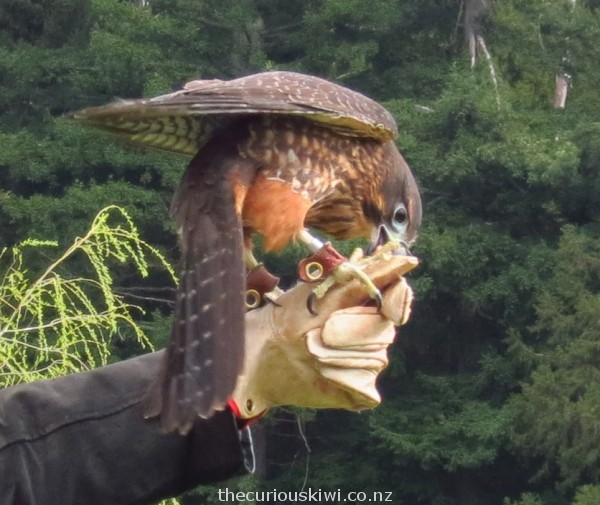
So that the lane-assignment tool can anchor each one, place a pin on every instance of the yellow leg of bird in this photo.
(344, 272)
(250, 260)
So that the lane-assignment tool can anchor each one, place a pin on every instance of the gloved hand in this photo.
(330, 360)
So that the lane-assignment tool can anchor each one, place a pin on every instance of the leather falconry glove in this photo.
(330, 360)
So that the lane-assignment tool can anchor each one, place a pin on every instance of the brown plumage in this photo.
(274, 153)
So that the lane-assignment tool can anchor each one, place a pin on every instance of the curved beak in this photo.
(382, 236)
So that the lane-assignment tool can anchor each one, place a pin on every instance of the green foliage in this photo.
(525, 499)
(51, 322)
(587, 495)
(54, 23)
(555, 416)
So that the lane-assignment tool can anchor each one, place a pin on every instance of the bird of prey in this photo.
(276, 153)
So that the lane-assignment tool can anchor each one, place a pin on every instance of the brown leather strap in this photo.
(259, 282)
(327, 258)
(261, 279)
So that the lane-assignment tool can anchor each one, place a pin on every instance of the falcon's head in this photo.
(395, 211)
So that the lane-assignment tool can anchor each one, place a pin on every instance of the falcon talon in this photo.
(310, 301)
(378, 300)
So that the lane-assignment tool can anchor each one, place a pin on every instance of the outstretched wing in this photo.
(206, 349)
(184, 121)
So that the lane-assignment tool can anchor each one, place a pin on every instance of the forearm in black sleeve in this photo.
(82, 439)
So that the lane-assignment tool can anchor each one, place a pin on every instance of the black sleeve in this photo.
(82, 439)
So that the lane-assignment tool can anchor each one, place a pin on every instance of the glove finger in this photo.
(371, 357)
(359, 385)
(397, 302)
(359, 328)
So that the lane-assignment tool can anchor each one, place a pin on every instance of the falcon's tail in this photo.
(205, 354)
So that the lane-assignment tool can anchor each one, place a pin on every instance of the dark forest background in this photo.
(493, 395)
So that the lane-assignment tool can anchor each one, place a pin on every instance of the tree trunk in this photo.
(561, 90)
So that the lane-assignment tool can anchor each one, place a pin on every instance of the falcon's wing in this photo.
(183, 121)
(206, 350)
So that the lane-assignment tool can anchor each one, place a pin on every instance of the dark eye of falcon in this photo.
(400, 215)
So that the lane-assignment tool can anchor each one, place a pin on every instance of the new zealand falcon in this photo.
(274, 153)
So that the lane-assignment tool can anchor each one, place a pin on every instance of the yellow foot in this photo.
(345, 272)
